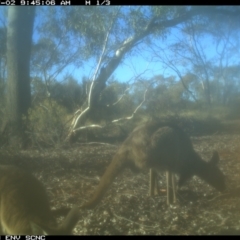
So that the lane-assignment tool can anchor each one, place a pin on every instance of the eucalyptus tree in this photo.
(104, 37)
(137, 25)
(199, 46)
(18, 63)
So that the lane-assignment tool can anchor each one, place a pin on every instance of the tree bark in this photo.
(19, 38)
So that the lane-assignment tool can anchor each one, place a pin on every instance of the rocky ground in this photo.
(71, 175)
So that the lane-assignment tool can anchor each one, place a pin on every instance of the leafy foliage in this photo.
(73, 38)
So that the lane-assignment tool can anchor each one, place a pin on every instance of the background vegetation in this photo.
(199, 52)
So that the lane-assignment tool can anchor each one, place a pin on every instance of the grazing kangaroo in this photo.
(25, 207)
(163, 147)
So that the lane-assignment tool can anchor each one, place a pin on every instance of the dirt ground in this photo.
(71, 175)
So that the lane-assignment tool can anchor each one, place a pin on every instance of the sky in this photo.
(140, 64)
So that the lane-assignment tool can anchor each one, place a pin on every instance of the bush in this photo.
(47, 123)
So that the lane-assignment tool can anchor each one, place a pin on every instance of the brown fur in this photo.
(163, 147)
(25, 207)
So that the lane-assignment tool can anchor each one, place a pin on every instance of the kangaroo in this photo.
(162, 147)
(25, 207)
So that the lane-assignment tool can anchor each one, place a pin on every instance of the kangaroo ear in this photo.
(215, 158)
